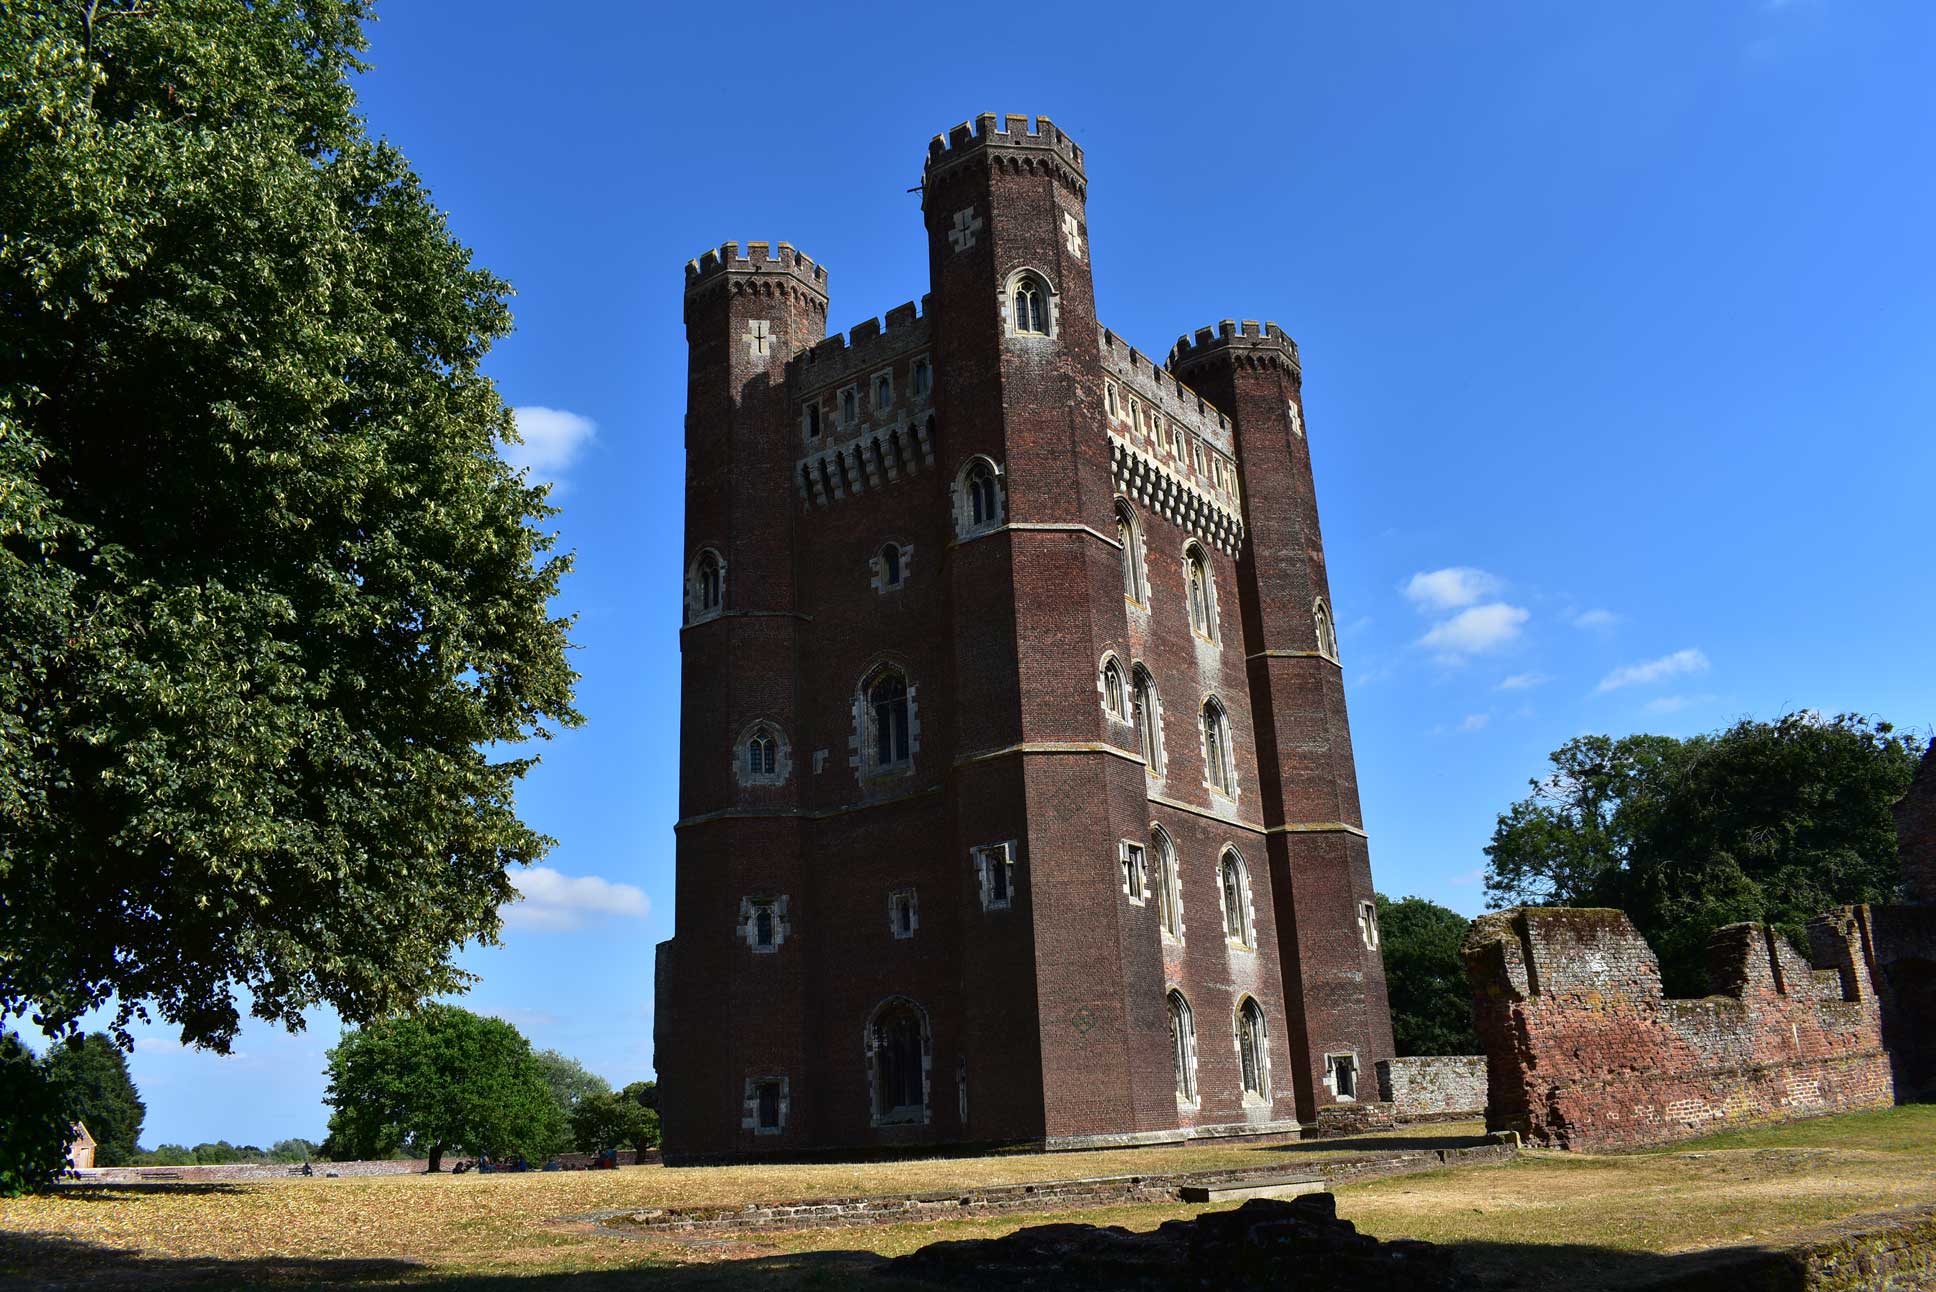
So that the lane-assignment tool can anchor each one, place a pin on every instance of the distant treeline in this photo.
(223, 1153)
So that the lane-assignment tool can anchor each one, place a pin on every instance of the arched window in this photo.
(1196, 579)
(1169, 890)
(1251, 1053)
(891, 565)
(1129, 534)
(978, 498)
(1183, 1048)
(762, 753)
(849, 407)
(1234, 881)
(1218, 771)
(705, 586)
(888, 714)
(1114, 699)
(897, 1062)
(1031, 307)
(1147, 712)
(1326, 633)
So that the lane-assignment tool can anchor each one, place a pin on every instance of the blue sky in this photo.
(1618, 326)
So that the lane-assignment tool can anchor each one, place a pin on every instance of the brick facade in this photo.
(1583, 1052)
(834, 909)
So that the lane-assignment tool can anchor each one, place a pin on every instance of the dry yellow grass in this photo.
(1575, 1214)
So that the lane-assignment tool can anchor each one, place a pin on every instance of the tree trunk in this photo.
(436, 1159)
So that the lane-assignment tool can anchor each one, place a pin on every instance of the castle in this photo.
(1016, 793)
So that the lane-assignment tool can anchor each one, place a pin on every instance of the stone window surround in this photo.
(747, 929)
(1326, 629)
(1156, 766)
(1169, 873)
(1368, 924)
(750, 1108)
(845, 420)
(964, 507)
(1212, 630)
(877, 567)
(1331, 1074)
(896, 899)
(984, 857)
(875, 403)
(694, 613)
(1263, 1095)
(861, 744)
(1228, 792)
(916, 363)
(1247, 916)
(1050, 298)
(1132, 859)
(900, 1117)
(1125, 716)
(1190, 1095)
(782, 756)
(1135, 554)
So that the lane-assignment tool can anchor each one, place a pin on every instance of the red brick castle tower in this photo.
(1016, 791)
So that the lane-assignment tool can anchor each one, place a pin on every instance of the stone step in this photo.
(1276, 1186)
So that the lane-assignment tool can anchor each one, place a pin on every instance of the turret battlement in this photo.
(1230, 335)
(1012, 132)
(864, 346)
(759, 258)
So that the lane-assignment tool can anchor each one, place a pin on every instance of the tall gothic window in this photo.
(1114, 701)
(762, 753)
(1147, 712)
(705, 586)
(923, 379)
(1218, 772)
(897, 1044)
(1183, 1045)
(1031, 309)
(887, 704)
(978, 498)
(1128, 534)
(1196, 578)
(1250, 1048)
(891, 565)
(1235, 884)
(1327, 634)
(1169, 896)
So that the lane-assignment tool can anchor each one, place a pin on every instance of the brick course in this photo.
(1583, 1051)
(1047, 1021)
(1425, 1087)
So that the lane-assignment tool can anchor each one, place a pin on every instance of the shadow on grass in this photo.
(1392, 1144)
(42, 1262)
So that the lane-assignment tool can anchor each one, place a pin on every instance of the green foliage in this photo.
(100, 1094)
(1768, 821)
(607, 1120)
(270, 601)
(35, 1127)
(643, 1093)
(439, 1079)
(570, 1083)
(1431, 1006)
(166, 1155)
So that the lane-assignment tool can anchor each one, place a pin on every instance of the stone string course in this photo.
(1050, 1195)
(1584, 1052)
(1429, 1087)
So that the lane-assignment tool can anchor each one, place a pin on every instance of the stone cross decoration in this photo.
(1297, 418)
(759, 338)
(1072, 233)
(967, 225)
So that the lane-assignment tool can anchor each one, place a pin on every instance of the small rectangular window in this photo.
(767, 1097)
(995, 872)
(1135, 875)
(849, 408)
(1176, 442)
(883, 390)
(902, 917)
(1342, 1071)
(1109, 397)
(813, 420)
(1196, 451)
(923, 379)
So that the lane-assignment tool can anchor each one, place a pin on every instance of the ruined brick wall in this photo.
(1916, 831)
(1434, 1085)
(1584, 1052)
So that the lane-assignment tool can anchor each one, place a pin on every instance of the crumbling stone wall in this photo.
(1430, 1086)
(1584, 1052)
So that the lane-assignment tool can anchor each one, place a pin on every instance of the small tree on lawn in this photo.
(100, 1094)
(609, 1121)
(441, 1079)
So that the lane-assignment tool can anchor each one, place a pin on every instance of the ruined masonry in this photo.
(1585, 1053)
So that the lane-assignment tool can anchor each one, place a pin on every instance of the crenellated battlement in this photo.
(1162, 389)
(768, 258)
(1037, 142)
(866, 345)
(1260, 340)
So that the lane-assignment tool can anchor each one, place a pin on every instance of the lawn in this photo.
(1591, 1220)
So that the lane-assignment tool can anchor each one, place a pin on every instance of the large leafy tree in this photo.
(1769, 821)
(271, 605)
(603, 1121)
(34, 1122)
(93, 1074)
(1431, 1006)
(439, 1079)
(571, 1084)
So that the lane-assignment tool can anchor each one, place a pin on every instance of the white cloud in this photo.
(1596, 620)
(555, 902)
(1450, 588)
(157, 1045)
(551, 439)
(1679, 664)
(1476, 630)
(1475, 721)
(1524, 681)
